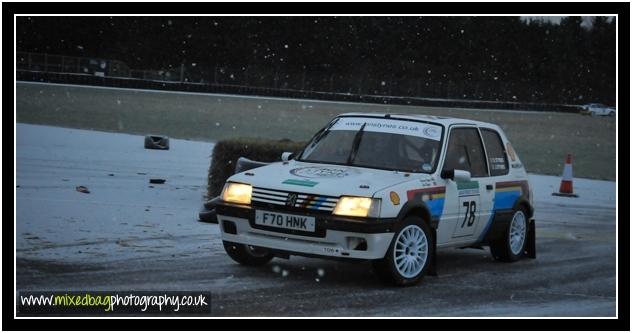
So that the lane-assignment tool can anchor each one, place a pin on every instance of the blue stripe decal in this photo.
(505, 200)
(436, 207)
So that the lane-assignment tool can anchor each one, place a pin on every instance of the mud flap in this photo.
(432, 269)
(530, 248)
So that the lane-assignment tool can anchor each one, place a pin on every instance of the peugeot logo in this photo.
(291, 199)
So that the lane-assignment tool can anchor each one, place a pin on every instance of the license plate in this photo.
(286, 221)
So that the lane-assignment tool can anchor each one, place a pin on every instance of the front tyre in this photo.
(246, 254)
(511, 246)
(408, 257)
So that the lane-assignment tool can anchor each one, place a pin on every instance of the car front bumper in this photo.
(336, 237)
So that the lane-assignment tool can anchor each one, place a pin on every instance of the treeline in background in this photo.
(474, 58)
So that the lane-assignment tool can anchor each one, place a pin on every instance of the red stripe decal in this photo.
(432, 190)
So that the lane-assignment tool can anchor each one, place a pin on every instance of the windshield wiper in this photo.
(323, 132)
(356, 145)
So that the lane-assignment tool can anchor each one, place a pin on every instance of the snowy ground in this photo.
(130, 234)
(123, 216)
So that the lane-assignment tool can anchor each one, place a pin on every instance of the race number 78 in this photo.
(470, 213)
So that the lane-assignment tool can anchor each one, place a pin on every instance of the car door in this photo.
(498, 165)
(467, 202)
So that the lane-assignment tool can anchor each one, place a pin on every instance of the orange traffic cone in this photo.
(566, 186)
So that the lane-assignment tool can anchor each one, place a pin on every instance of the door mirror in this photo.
(456, 175)
(286, 156)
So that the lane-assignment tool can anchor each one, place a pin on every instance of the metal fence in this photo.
(113, 73)
(42, 62)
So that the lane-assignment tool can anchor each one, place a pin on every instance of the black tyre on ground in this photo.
(247, 255)
(156, 142)
(511, 246)
(409, 255)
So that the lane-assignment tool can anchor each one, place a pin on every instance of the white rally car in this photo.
(390, 188)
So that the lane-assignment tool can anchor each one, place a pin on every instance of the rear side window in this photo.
(497, 158)
(465, 152)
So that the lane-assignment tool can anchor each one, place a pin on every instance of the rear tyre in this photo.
(246, 254)
(409, 255)
(511, 246)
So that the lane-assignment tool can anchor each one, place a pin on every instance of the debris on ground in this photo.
(82, 189)
(156, 142)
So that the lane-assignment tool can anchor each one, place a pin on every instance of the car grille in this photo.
(293, 199)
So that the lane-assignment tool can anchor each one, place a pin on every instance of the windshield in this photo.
(381, 143)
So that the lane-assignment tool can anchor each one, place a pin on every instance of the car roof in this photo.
(446, 121)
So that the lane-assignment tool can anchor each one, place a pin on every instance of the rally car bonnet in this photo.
(325, 179)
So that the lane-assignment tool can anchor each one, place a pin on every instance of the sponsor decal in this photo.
(385, 125)
(300, 182)
(497, 163)
(394, 198)
(467, 185)
(432, 131)
(322, 172)
(468, 188)
(427, 182)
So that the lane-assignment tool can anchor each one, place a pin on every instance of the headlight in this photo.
(358, 206)
(237, 193)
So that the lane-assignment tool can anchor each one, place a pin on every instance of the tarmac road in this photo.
(148, 239)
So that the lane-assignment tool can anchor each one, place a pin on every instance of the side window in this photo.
(465, 152)
(497, 158)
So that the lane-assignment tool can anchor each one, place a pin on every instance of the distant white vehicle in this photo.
(596, 109)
